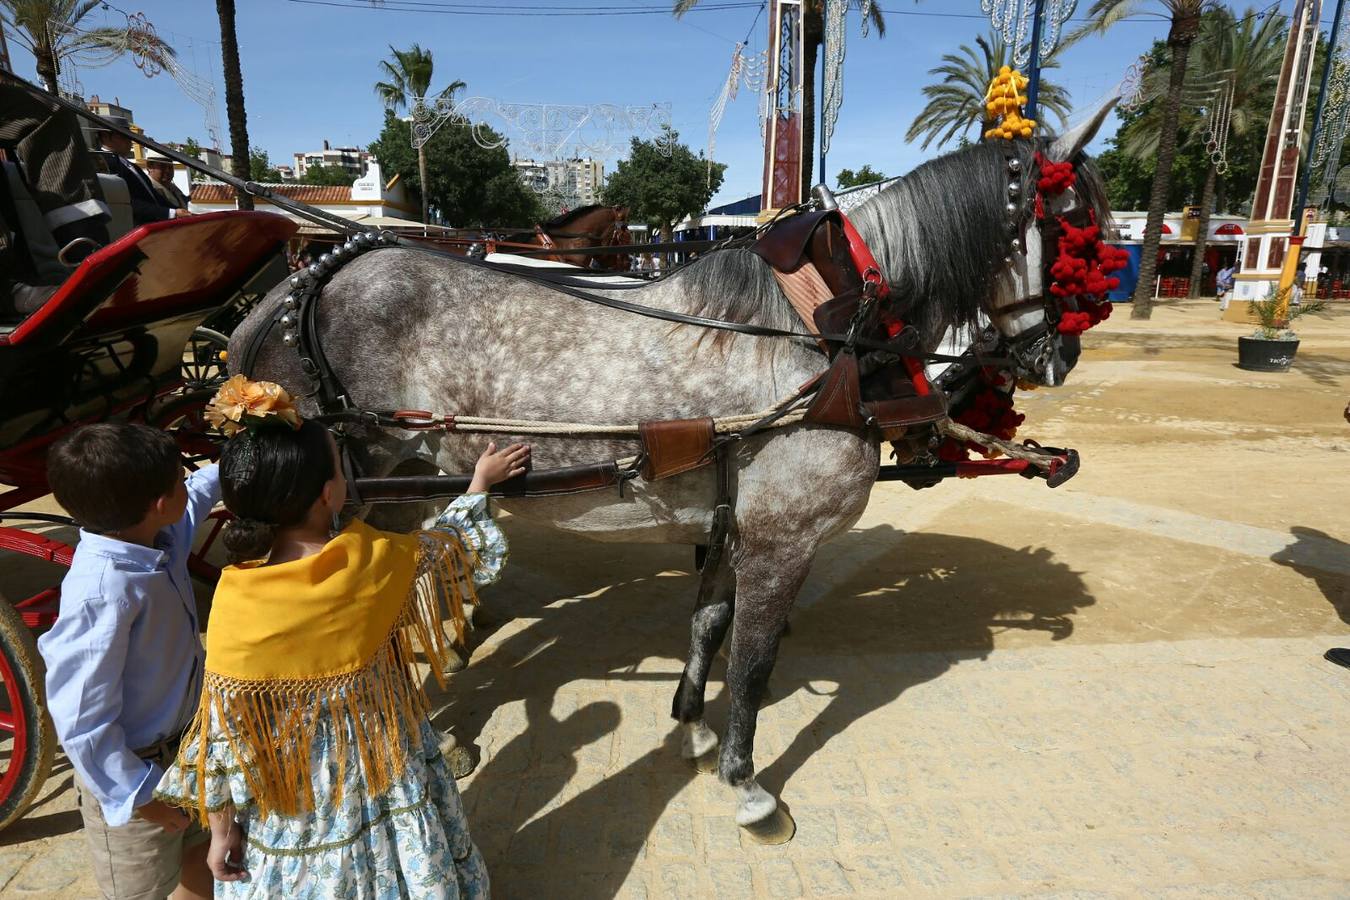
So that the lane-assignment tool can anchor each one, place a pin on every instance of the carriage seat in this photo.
(37, 238)
(42, 248)
(118, 197)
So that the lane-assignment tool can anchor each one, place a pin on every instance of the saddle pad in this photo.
(805, 290)
(672, 446)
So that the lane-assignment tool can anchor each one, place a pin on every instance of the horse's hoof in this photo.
(707, 763)
(776, 828)
(454, 662)
(461, 762)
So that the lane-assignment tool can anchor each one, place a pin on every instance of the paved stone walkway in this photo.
(1114, 689)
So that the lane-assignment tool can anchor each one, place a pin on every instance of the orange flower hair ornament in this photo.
(241, 403)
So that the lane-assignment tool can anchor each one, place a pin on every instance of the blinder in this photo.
(1036, 348)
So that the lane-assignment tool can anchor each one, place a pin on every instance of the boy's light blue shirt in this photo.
(124, 660)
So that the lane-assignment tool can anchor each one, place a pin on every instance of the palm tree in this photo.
(409, 73)
(956, 101)
(234, 101)
(812, 35)
(1185, 16)
(1245, 52)
(51, 31)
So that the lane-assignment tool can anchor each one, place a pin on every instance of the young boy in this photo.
(124, 660)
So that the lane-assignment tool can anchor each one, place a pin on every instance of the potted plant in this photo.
(1272, 347)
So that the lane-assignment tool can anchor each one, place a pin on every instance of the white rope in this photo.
(721, 424)
(959, 432)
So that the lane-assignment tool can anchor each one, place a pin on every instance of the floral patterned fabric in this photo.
(412, 841)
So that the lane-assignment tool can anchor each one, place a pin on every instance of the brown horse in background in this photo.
(585, 226)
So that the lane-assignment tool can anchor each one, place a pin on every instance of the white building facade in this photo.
(575, 182)
(352, 160)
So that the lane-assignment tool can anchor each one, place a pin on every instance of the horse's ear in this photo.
(1070, 144)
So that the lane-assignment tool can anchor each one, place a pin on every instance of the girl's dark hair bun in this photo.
(270, 479)
(248, 539)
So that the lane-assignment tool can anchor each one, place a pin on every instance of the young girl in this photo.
(311, 755)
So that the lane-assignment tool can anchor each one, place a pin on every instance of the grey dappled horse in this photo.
(407, 330)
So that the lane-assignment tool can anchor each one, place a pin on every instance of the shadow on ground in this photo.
(1325, 560)
(927, 594)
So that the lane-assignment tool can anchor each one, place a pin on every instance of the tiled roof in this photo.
(216, 192)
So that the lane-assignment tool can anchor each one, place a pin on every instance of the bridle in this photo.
(1034, 348)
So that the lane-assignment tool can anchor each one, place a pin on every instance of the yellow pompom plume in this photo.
(1004, 101)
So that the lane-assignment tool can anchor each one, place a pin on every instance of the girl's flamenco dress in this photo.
(313, 720)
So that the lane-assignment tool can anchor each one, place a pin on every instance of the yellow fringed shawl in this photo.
(336, 627)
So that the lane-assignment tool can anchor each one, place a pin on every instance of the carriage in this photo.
(121, 339)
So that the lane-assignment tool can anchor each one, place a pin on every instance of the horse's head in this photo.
(1027, 309)
(962, 244)
(619, 236)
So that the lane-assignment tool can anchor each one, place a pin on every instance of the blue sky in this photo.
(309, 68)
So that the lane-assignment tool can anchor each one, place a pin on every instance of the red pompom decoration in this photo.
(988, 410)
(1056, 177)
(1083, 270)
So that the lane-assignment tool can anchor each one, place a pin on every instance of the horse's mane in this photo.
(939, 234)
(571, 215)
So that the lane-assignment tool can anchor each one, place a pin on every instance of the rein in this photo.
(299, 308)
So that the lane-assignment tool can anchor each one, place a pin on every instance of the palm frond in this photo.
(956, 98)
(1102, 17)
(408, 75)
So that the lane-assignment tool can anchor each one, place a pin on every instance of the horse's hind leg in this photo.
(767, 577)
(712, 616)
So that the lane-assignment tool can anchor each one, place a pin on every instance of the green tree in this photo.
(661, 189)
(332, 175)
(866, 175)
(260, 168)
(812, 35)
(234, 100)
(193, 149)
(409, 73)
(52, 31)
(468, 185)
(1245, 51)
(1185, 17)
(956, 101)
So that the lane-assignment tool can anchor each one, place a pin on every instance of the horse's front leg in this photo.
(712, 616)
(768, 575)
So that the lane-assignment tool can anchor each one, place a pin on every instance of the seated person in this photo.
(64, 186)
(160, 168)
(20, 294)
(147, 204)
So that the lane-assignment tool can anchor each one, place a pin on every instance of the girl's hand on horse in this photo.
(495, 466)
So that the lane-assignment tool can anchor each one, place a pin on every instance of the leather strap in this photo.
(542, 483)
(672, 446)
(722, 515)
(839, 402)
(904, 411)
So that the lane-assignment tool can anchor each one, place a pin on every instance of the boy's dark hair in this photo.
(269, 478)
(107, 476)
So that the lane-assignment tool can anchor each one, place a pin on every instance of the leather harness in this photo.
(885, 388)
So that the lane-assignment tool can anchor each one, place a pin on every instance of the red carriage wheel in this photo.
(27, 737)
(183, 416)
(204, 359)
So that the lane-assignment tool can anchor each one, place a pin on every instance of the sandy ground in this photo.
(991, 688)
